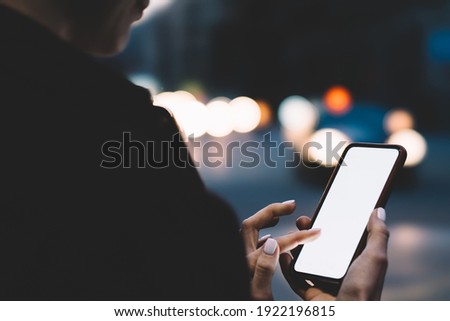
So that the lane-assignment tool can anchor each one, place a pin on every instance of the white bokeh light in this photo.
(193, 118)
(246, 114)
(173, 100)
(165, 99)
(190, 114)
(220, 117)
(414, 143)
(183, 96)
(322, 138)
(298, 114)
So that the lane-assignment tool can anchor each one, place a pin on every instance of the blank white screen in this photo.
(346, 210)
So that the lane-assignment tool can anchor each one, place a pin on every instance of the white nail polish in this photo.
(310, 283)
(270, 247)
(265, 237)
(381, 213)
(290, 202)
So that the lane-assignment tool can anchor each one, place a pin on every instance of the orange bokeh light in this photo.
(338, 100)
(266, 114)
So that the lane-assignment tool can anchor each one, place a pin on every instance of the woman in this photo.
(74, 229)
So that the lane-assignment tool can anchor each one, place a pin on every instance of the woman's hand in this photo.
(263, 254)
(365, 277)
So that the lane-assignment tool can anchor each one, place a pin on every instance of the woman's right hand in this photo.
(365, 277)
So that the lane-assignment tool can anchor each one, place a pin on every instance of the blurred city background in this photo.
(377, 71)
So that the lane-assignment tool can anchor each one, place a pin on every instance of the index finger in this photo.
(267, 217)
(291, 241)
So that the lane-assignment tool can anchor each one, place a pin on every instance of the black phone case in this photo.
(331, 285)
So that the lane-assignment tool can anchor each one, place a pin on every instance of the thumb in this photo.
(378, 235)
(266, 264)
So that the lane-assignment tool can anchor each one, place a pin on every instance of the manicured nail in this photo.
(264, 238)
(316, 233)
(290, 202)
(310, 283)
(381, 213)
(270, 247)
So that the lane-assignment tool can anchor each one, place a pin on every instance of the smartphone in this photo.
(360, 183)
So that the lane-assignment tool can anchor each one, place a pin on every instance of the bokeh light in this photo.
(168, 100)
(246, 114)
(328, 139)
(296, 138)
(193, 118)
(414, 143)
(164, 99)
(183, 96)
(298, 114)
(190, 114)
(266, 114)
(398, 119)
(219, 118)
(173, 100)
(338, 100)
(408, 237)
(220, 122)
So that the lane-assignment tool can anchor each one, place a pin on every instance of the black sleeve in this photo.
(228, 269)
(72, 230)
(200, 254)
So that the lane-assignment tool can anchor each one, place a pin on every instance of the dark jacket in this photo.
(72, 230)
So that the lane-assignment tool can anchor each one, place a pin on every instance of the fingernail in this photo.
(381, 213)
(265, 237)
(290, 202)
(270, 247)
(316, 233)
